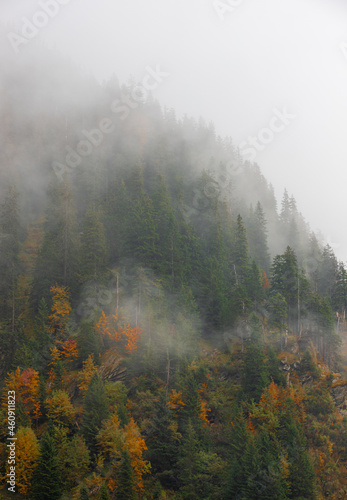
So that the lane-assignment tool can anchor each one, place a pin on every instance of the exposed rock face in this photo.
(111, 367)
(339, 394)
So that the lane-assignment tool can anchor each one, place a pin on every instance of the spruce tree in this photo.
(240, 251)
(162, 448)
(95, 410)
(84, 493)
(46, 479)
(327, 272)
(93, 246)
(57, 260)
(125, 483)
(104, 493)
(257, 236)
(9, 260)
(339, 295)
(255, 374)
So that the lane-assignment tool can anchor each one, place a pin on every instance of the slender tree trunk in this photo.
(13, 307)
(168, 375)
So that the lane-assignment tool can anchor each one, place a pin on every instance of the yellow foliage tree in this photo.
(86, 375)
(61, 309)
(27, 452)
(60, 408)
(112, 440)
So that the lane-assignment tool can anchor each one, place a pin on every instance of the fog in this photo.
(274, 72)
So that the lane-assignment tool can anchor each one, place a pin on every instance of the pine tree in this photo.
(288, 280)
(93, 246)
(302, 476)
(257, 236)
(187, 463)
(56, 262)
(277, 306)
(125, 484)
(84, 494)
(240, 251)
(46, 481)
(285, 215)
(95, 410)
(254, 286)
(9, 260)
(339, 295)
(255, 374)
(327, 272)
(104, 493)
(162, 447)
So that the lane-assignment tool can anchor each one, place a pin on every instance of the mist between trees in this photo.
(169, 330)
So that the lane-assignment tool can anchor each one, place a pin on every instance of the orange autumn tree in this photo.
(107, 326)
(275, 402)
(204, 410)
(136, 445)
(175, 402)
(113, 440)
(69, 349)
(132, 335)
(26, 385)
(266, 282)
(62, 351)
(61, 309)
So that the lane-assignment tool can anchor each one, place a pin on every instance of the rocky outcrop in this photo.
(339, 395)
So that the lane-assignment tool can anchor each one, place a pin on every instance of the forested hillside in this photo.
(170, 332)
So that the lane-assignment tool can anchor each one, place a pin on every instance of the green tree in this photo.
(162, 445)
(240, 254)
(255, 375)
(277, 307)
(95, 410)
(104, 493)
(9, 258)
(339, 294)
(302, 476)
(187, 463)
(125, 485)
(46, 479)
(257, 237)
(93, 246)
(273, 368)
(57, 260)
(84, 493)
(327, 272)
(288, 280)
(73, 457)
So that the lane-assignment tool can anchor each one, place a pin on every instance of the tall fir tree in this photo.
(46, 479)
(57, 262)
(9, 258)
(95, 410)
(93, 246)
(125, 483)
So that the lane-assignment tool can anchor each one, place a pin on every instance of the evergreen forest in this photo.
(169, 328)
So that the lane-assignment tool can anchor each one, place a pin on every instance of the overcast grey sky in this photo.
(238, 63)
